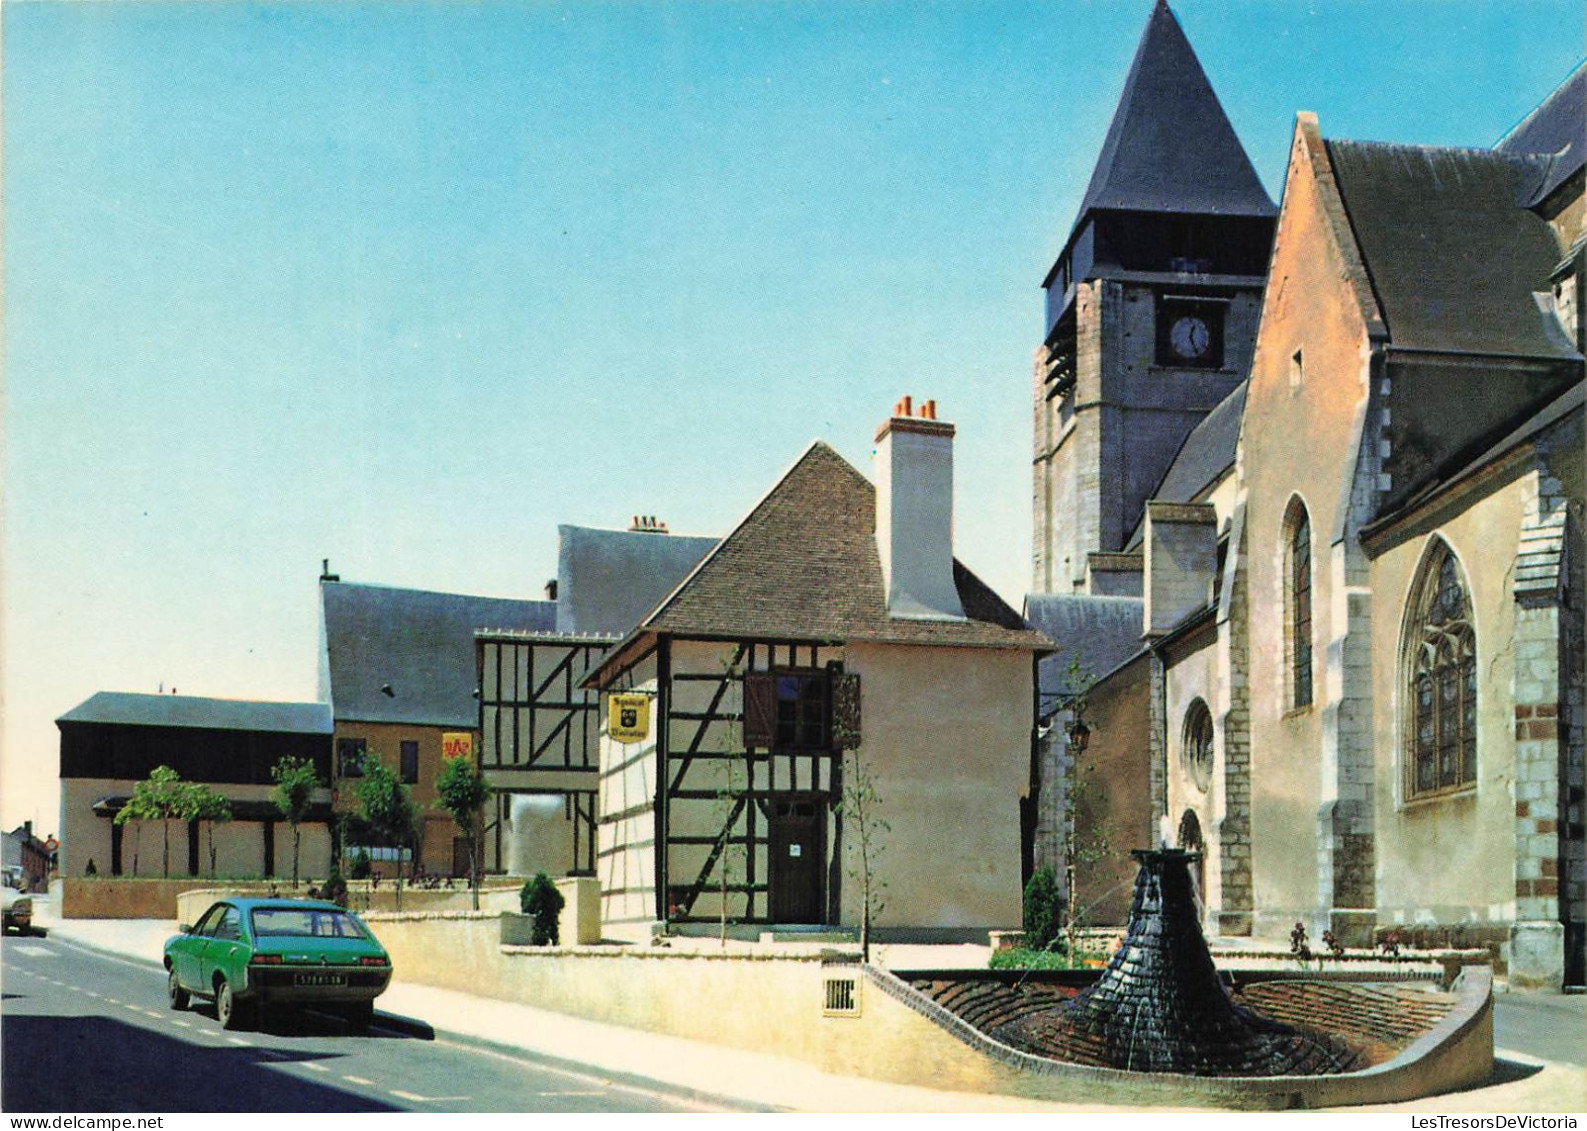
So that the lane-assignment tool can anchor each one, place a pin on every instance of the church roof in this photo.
(803, 565)
(418, 644)
(1462, 277)
(1205, 455)
(1101, 633)
(1559, 128)
(1170, 147)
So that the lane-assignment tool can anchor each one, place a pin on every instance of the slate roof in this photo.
(1460, 277)
(803, 565)
(420, 644)
(1205, 455)
(1557, 127)
(1103, 632)
(607, 580)
(1572, 400)
(201, 714)
(1170, 147)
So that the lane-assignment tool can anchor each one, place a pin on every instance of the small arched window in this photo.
(1196, 745)
(1440, 681)
(1297, 605)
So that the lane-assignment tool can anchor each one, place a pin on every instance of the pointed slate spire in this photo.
(1170, 147)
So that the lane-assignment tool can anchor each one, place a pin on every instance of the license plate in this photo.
(319, 980)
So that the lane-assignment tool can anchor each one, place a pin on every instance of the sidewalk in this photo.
(704, 1071)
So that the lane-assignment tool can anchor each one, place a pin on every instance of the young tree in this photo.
(462, 793)
(135, 811)
(296, 782)
(212, 808)
(386, 806)
(163, 797)
(860, 807)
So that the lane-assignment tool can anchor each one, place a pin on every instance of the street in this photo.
(86, 1032)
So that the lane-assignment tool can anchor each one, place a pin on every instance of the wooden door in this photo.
(797, 836)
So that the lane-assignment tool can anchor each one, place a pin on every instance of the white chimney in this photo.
(914, 513)
(1181, 562)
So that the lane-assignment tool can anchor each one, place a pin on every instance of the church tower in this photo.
(1151, 308)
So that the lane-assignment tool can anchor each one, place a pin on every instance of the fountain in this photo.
(1159, 1006)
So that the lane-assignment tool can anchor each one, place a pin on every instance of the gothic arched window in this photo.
(1440, 682)
(1297, 604)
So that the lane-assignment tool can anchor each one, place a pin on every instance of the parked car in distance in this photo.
(248, 954)
(18, 903)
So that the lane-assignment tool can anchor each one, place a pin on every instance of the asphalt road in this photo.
(86, 1032)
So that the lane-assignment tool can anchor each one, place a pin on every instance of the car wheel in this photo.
(179, 996)
(361, 1014)
(228, 1011)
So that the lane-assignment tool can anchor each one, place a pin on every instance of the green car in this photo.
(247, 954)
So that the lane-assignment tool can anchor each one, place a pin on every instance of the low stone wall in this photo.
(360, 897)
(777, 1003)
(122, 897)
(1457, 1052)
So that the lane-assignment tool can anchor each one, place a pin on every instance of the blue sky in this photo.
(406, 285)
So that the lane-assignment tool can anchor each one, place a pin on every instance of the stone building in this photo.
(397, 669)
(1365, 674)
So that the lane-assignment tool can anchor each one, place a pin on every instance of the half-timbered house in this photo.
(831, 636)
(538, 727)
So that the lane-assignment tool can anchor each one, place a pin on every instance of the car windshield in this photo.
(310, 922)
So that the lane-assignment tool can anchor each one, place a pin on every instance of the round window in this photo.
(1197, 745)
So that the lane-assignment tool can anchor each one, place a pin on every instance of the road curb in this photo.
(108, 952)
(421, 1030)
(631, 1080)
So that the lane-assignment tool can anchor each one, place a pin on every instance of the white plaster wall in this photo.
(947, 733)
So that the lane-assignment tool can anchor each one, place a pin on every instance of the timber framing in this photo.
(537, 723)
(715, 793)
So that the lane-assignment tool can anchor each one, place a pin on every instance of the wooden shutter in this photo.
(760, 709)
(845, 710)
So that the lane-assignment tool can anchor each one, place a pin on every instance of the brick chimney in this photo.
(914, 513)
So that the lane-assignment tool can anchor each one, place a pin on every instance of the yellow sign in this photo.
(458, 745)
(628, 717)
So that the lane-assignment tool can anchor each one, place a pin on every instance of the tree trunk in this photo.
(296, 838)
(473, 862)
(165, 860)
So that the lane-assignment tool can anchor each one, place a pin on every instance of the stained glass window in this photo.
(1442, 746)
(1300, 611)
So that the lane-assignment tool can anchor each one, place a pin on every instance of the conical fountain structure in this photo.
(1160, 1006)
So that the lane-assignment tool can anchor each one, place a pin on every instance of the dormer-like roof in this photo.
(1170, 147)
(1556, 129)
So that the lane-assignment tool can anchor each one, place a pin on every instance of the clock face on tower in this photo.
(1190, 338)
(1190, 332)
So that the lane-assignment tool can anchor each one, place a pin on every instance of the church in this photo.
(1308, 505)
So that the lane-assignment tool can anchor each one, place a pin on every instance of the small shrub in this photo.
(1044, 909)
(91, 870)
(360, 867)
(541, 900)
(1021, 958)
(335, 888)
